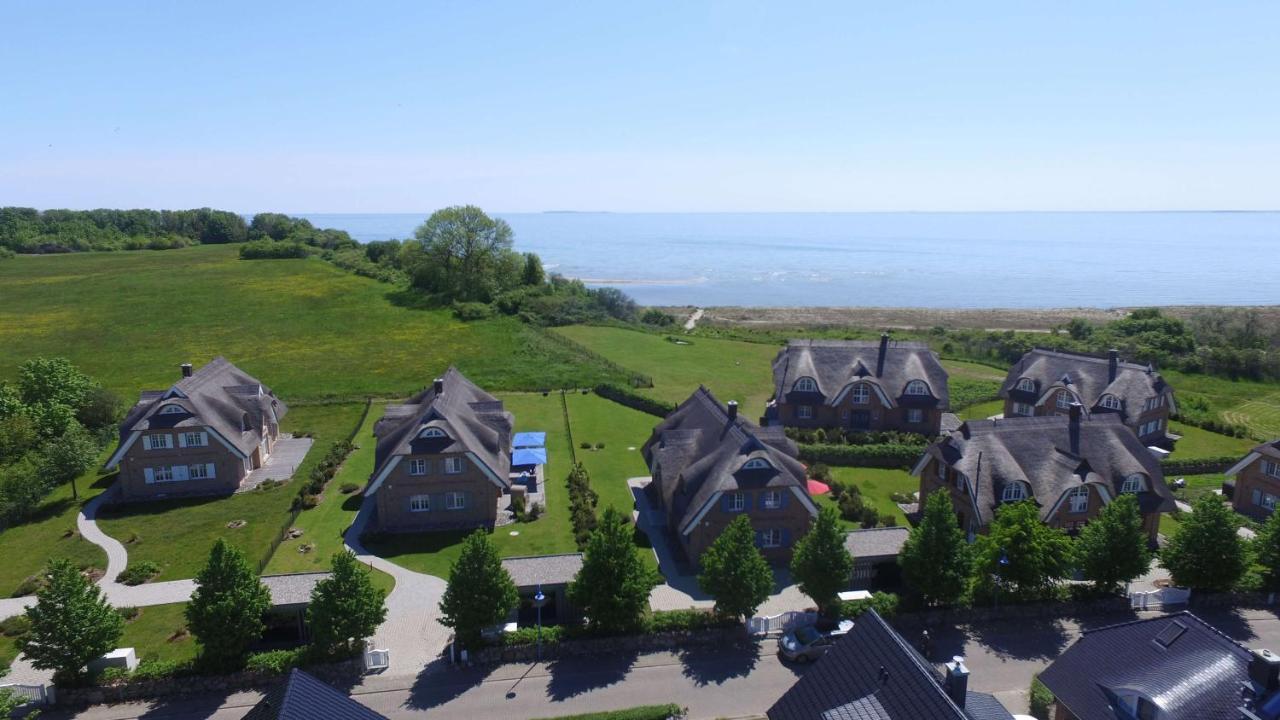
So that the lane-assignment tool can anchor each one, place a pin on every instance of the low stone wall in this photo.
(1232, 599)
(675, 640)
(1118, 606)
(131, 690)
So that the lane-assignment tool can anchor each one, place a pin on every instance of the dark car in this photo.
(808, 643)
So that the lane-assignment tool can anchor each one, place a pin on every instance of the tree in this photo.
(612, 588)
(533, 273)
(226, 609)
(100, 410)
(65, 458)
(936, 560)
(345, 607)
(1112, 548)
(1022, 552)
(71, 623)
(463, 248)
(52, 381)
(1266, 550)
(1205, 553)
(480, 592)
(821, 563)
(734, 572)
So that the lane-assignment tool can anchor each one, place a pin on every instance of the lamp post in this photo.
(1002, 563)
(538, 601)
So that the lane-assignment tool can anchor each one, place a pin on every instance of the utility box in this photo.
(124, 658)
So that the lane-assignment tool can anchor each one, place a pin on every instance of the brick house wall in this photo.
(229, 468)
(845, 415)
(1251, 479)
(792, 519)
(394, 497)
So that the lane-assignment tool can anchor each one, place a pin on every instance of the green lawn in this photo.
(981, 411)
(305, 327)
(876, 484)
(159, 633)
(622, 430)
(964, 370)
(1243, 402)
(733, 370)
(1197, 443)
(51, 533)
(177, 534)
(1197, 486)
(8, 652)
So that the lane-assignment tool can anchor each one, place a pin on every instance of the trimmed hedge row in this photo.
(656, 621)
(634, 400)
(879, 456)
(1197, 466)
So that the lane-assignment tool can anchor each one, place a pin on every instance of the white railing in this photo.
(376, 659)
(34, 694)
(1156, 599)
(780, 623)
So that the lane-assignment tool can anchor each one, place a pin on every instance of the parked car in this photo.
(808, 643)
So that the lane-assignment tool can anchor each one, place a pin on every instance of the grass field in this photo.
(1197, 443)
(1243, 402)
(964, 370)
(876, 484)
(622, 430)
(733, 370)
(304, 327)
(177, 534)
(160, 633)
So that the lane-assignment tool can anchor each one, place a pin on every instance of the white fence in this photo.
(375, 659)
(780, 623)
(1157, 599)
(33, 694)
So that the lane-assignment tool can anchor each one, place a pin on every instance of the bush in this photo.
(599, 446)
(582, 505)
(349, 487)
(15, 626)
(6, 253)
(273, 250)
(551, 634)
(584, 445)
(138, 573)
(886, 604)
(30, 585)
(517, 507)
(159, 669)
(888, 521)
(820, 471)
(472, 311)
(634, 400)
(129, 612)
(276, 662)
(1041, 699)
(657, 318)
(1197, 466)
(880, 455)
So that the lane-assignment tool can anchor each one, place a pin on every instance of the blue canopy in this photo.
(529, 456)
(530, 440)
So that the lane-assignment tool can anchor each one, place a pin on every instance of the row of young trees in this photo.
(72, 623)
(27, 230)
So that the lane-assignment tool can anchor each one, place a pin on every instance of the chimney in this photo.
(1074, 412)
(1264, 671)
(186, 369)
(438, 386)
(1073, 427)
(884, 350)
(733, 409)
(1113, 364)
(957, 685)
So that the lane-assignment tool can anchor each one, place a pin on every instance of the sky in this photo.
(643, 107)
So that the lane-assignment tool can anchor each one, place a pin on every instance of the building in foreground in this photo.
(1070, 466)
(1257, 481)
(304, 697)
(201, 436)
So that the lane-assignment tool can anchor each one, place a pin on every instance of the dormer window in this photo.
(1133, 483)
(1110, 402)
(1027, 384)
(861, 394)
(1065, 399)
(1013, 492)
(806, 385)
(173, 410)
(1078, 499)
(917, 387)
(757, 464)
(432, 433)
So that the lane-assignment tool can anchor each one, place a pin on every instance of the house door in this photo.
(860, 420)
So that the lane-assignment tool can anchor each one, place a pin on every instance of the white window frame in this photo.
(805, 384)
(1026, 385)
(915, 415)
(917, 387)
(1078, 500)
(737, 502)
(1064, 400)
(432, 432)
(419, 503)
(1110, 402)
(1271, 468)
(453, 466)
(757, 464)
(417, 466)
(961, 480)
(860, 395)
(195, 439)
(166, 441)
(804, 412)
(172, 409)
(1268, 501)
(200, 471)
(163, 473)
(455, 501)
(771, 538)
(1133, 483)
(1013, 492)
(771, 500)
(1021, 409)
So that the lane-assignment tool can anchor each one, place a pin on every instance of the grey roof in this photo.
(1183, 664)
(303, 697)
(1051, 455)
(1090, 378)
(836, 364)
(1269, 449)
(294, 589)
(219, 396)
(473, 420)
(699, 443)
(876, 542)
(536, 570)
(873, 674)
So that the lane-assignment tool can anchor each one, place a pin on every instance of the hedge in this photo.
(1197, 466)
(642, 712)
(885, 604)
(634, 400)
(881, 456)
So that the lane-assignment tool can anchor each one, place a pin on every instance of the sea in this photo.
(927, 260)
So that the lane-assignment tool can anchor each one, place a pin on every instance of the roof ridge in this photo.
(1088, 357)
(1171, 616)
(916, 659)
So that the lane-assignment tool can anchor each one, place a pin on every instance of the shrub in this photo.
(276, 662)
(129, 613)
(1041, 699)
(153, 669)
(582, 505)
(584, 445)
(15, 626)
(879, 455)
(272, 250)
(534, 512)
(138, 573)
(869, 517)
(349, 487)
(886, 604)
(471, 311)
(30, 585)
(551, 634)
(599, 446)
(307, 501)
(517, 506)
(820, 471)
(634, 400)
(656, 317)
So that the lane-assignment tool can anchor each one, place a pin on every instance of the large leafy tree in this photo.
(1022, 553)
(480, 592)
(613, 586)
(465, 252)
(71, 623)
(345, 607)
(1112, 548)
(936, 561)
(821, 563)
(226, 609)
(52, 381)
(734, 572)
(1266, 550)
(1205, 553)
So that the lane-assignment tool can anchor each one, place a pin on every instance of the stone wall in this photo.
(1117, 606)
(674, 640)
(130, 690)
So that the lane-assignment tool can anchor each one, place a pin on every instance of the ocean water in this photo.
(934, 260)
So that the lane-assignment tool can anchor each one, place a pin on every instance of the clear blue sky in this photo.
(683, 106)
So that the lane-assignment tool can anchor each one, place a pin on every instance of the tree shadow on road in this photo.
(440, 682)
(574, 676)
(1021, 639)
(1230, 622)
(186, 706)
(713, 665)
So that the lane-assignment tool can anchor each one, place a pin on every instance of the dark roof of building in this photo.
(699, 444)
(1050, 455)
(837, 364)
(1088, 376)
(472, 420)
(303, 697)
(548, 570)
(1181, 663)
(873, 674)
(292, 588)
(219, 396)
(876, 542)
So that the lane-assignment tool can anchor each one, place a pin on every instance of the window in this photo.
(158, 442)
(1027, 385)
(1110, 402)
(1133, 484)
(804, 412)
(861, 394)
(1079, 499)
(757, 464)
(163, 473)
(172, 410)
(915, 415)
(432, 433)
(1150, 427)
(805, 384)
(771, 500)
(737, 502)
(1153, 403)
(1271, 468)
(201, 471)
(417, 467)
(1264, 500)
(1023, 409)
(1013, 492)
(419, 503)
(961, 480)
(917, 387)
(844, 414)
(452, 465)
(771, 538)
(194, 439)
(1065, 398)
(455, 501)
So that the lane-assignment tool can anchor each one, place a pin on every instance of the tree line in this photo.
(27, 230)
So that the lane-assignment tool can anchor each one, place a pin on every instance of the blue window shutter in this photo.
(786, 498)
(746, 501)
(724, 503)
(786, 537)
(759, 538)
